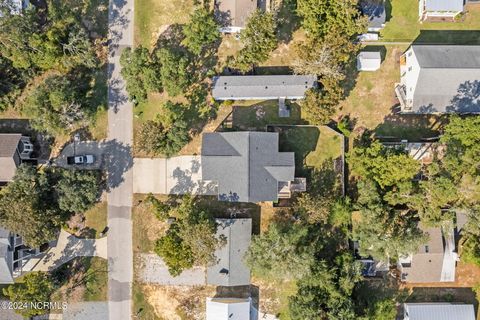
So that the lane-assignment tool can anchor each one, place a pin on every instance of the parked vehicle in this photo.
(82, 159)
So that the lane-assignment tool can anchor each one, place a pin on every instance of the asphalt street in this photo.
(120, 135)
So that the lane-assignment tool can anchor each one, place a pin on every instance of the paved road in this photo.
(120, 135)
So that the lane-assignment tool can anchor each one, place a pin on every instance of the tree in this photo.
(201, 31)
(27, 207)
(320, 17)
(164, 138)
(56, 105)
(35, 287)
(191, 239)
(12, 80)
(77, 191)
(471, 239)
(462, 138)
(258, 40)
(319, 105)
(174, 71)
(281, 253)
(175, 253)
(317, 59)
(384, 231)
(326, 292)
(141, 73)
(386, 166)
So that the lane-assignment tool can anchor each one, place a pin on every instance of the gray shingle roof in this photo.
(234, 12)
(444, 5)
(438, 311)
(246, 165)
(449, 79)
(229, 269)
(375, 11)
(262, 87)
(8, 164)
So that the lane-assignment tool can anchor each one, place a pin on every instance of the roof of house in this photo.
(246, 165)
(228, 309)
(458, 67)
(429, 263)
(8, 146)
(234, 13)
(5, 257)
(438, 311)
(229, 268)
(375, 11)
(444, 5)
(262, 87)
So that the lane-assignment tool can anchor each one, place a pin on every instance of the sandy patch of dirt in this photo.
(179, 302)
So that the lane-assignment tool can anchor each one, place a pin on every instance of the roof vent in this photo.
(266, 87)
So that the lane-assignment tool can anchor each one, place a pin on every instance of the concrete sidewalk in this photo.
(67, 248)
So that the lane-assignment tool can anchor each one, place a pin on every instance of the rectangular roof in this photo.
(449, 79)
(246, 165)
(262, 87)
(444, 5)
(6, 257)
(438, 311)
(229, 268)
(234, 13)
(375, 11)
(228, 309)
(8, 146)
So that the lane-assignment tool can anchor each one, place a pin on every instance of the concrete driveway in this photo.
(94, 148)
(177, 175)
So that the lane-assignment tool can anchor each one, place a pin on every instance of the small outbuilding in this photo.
(228, 309)
(376, 13)
(369, 61)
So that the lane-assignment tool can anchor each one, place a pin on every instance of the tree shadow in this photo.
(467, 99)
(118, 160)
(287, 20)
(413, 127)
(444, 37)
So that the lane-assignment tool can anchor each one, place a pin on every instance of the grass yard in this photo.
(370, 104)
(403, 25)
(97, 279)
(313, 146)
(152, 17)
(256, 115)
(96, 219)
(274, 297)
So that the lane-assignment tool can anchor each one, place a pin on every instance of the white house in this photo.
(439, 79)
(439, 8)
(368, 61)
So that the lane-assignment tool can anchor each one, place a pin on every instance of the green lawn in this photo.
(152, 17)
(248, 115)
(96, 219)
(97, 280)
(403, 25)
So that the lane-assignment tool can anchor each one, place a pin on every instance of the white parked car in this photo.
(82, 159)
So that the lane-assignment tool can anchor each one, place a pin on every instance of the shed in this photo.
(369, 61)
(438, 311)
(228, 309)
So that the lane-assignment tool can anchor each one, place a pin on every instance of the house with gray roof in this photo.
(376, 13)
(439, 8)
(438, 311)
(14, 148)
(433, 262)
(233, 14)
(271, 87)
(247, 166)
(229, 269)
(439, 79)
